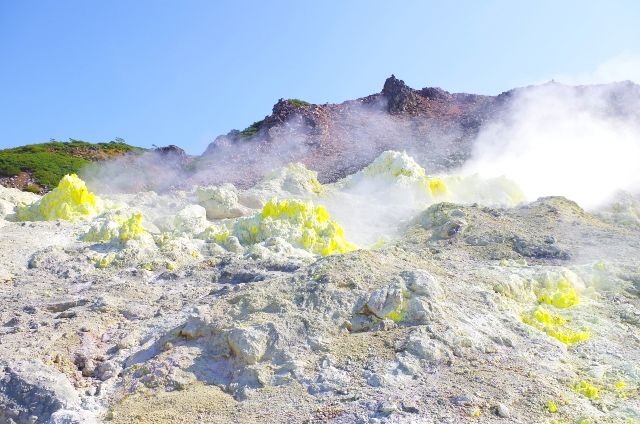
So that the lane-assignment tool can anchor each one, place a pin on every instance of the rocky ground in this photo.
(470, 313)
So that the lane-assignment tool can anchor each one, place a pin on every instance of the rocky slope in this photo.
(218, 305)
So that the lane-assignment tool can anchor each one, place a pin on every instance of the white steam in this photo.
(621, 67)
(579, 142)
(374, 210)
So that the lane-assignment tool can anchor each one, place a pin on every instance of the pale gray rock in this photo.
(502, 411)
(6, 209)
(423, 347)
(383, 301)
(30, 388)
(423, 283)
(248, 344)
(107, 370)
(5, 276)
(221, 202)
(388, 407)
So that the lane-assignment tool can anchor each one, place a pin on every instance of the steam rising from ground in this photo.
(152, 170)
(579, 142)
(582, 143)
(357, 134)
(621, 67)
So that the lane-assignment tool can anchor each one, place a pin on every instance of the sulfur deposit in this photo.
(397, 169)
(116, 227)
(10, 198)
(390, 296)
(291, 181)
(71, 200)
(300, 223)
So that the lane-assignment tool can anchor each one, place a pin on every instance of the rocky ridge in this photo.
(435, 126)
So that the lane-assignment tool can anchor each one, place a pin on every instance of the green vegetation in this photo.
(298, 102)
(49, 162)
(32, 188)
(251, 130)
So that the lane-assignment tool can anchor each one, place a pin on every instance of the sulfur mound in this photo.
(70, 201)
(12, 197)
(115, 227)
(394, 164)
(293, 180)
(220, 201)
(300, 223)
(397, 167)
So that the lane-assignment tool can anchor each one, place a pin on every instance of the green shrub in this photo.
(251, 130)
(298, 102)
(33, 188)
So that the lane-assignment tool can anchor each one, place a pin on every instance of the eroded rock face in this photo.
(400, 98)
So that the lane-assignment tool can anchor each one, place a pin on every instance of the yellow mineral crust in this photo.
(554, 325)
(398, 167)
(301, 223)
(105, 261)
(392, 167)
(392, 163)
(116, 227)
(293, 178)
(216, 233)
(70, 201)
(586, 389)
(560, 294)
(437, 187)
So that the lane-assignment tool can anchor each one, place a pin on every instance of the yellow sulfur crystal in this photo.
(586, 389)
(300, 223)
(554, 325)
(437, 187)
(116, 227)
(561, 295)
(70, 201)
(105, 261)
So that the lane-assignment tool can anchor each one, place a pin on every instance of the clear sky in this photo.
(182, 72)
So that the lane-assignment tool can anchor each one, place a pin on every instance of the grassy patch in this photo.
(298, 102)
(49, 162)
(251, 130)
(33, 188)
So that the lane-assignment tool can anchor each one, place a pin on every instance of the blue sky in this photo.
(182, 72)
